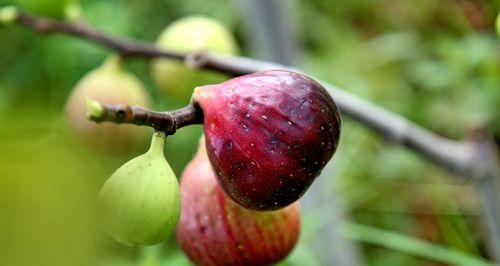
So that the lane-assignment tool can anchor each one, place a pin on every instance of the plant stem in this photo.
(167, 122)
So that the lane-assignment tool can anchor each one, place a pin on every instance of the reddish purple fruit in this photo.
(214, 230)
(269, 135)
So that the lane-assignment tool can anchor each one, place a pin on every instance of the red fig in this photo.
(268, 135)
(214, 230)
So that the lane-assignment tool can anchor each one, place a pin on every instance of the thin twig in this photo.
(126, 48)
(167, 122)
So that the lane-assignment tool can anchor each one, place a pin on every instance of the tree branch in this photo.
(126, 48)
(167, 122)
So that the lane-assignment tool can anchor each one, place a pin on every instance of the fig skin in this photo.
(268, 135)
(187, 35)
(140, 200)
(215, 230)
(108, 84)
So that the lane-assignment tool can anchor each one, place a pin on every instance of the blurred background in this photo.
(435, 62)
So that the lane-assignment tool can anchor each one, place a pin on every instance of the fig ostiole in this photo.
(268, 135)
(108, 84)
(187, 35)
(215, 230)
(140, 200)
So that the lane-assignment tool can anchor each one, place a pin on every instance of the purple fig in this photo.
(268, 135)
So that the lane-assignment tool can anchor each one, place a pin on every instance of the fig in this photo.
(215, 230)
(108, 84)
(190, 34)
(141, 200)
(268, 135)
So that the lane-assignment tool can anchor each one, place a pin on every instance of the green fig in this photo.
(187, 35)
(141, 201)
(108, 84)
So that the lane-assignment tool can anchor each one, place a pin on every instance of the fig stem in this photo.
(157, 143)
(167, 122)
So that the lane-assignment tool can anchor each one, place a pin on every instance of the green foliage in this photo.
(410, 245)
(53, 8)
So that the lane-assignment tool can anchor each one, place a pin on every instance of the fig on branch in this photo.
(214, 230)
(190, 34)
(268, 135)
(108, 84)
(141, 199)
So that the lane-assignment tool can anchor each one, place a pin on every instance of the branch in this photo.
(453, 155)
(126, 48)
(167, 122)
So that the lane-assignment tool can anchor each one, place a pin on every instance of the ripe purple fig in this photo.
(268, 135)
(214, 230)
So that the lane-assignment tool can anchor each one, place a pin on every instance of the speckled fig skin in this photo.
(268, 135)
(215, 230)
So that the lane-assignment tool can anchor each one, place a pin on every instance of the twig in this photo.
(126, 48)
(167, 122)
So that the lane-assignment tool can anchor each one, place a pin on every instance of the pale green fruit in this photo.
(187, 35)
(141, 200)
(52, 8)
(108, 84)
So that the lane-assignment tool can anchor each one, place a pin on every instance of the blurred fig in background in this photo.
(215, 230)
(141, 199)
(190, 34)
(108, 84)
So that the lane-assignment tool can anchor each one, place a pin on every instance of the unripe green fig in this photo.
(187, 35)
(108, 84)
(141, 200)
(52, 8)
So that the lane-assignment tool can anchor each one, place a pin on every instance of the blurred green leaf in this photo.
(410, 245)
